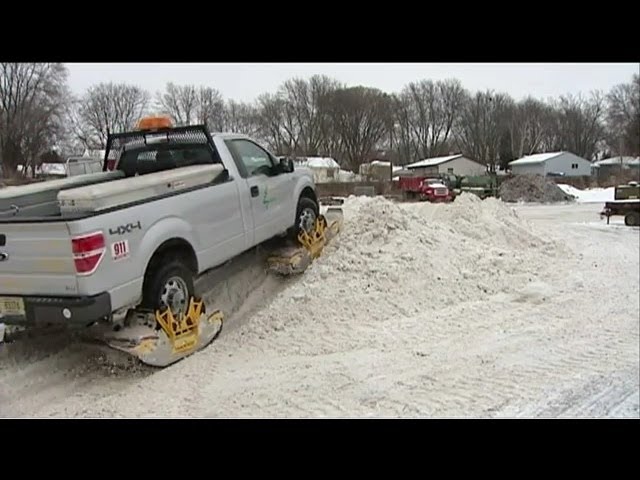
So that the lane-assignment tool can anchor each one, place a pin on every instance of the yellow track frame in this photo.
(295, 259)
(315, 241)
(183, 332)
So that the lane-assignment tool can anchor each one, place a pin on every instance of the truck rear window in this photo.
(156, 158)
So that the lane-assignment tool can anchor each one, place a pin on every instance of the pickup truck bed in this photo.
(41, 199)
(102, 196)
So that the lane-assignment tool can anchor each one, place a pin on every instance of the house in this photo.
(456, 164)
(378, 170)
(325, 169)
(553, 163)
(614, 166)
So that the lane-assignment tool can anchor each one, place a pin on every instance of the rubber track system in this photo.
(295, 259)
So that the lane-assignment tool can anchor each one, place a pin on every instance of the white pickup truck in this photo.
(170, 204)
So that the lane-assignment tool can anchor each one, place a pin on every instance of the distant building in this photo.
(552, 164)
(326, 170)
(377, 170)
(455, 164)
(614, 166)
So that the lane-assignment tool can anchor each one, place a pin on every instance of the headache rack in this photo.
(117, 143)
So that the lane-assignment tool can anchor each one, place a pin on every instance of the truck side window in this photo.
(256, 160)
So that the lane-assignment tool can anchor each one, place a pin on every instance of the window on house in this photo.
(449, 170)
(574, 166)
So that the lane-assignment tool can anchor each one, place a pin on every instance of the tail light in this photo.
(88, 251)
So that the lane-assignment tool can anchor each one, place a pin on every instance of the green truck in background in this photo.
(481, 185)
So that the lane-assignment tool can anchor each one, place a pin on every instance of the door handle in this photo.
(254, 191)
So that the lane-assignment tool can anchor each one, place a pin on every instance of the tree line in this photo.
(320, 116)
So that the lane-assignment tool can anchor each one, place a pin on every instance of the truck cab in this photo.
(434, 190)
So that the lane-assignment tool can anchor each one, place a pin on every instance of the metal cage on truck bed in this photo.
(118, 143)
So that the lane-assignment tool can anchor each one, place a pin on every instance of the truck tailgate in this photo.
(36, 259)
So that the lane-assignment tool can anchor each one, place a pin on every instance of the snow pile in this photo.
(592, 195)
(394, 260)
(532, 188)
(415, 310)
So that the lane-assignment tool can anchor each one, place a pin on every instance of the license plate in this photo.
(11, 306)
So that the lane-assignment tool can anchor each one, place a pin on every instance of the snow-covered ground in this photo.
(469, 309)
(591, 195)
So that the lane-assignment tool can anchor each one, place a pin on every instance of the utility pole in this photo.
(620, 153)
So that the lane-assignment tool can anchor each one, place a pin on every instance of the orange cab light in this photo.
(152, 123)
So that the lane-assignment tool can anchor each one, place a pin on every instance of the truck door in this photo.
(269, 191)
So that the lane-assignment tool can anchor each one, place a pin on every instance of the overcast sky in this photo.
(245, 81)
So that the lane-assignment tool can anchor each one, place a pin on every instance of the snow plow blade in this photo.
(295, 259)
(160, 339)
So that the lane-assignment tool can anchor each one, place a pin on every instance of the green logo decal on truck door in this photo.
(265, 199)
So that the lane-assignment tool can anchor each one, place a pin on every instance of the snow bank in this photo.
(395, 260)
(591, 195)
(414, 310)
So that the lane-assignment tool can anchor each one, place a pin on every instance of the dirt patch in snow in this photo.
(532, 189)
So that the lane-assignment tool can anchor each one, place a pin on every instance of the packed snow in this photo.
(592, 195)
(468, 309)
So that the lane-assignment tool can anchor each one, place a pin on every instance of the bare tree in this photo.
(306, 118)
(623, 118)
(361, 117)
(211, 108)
(578, 124)
(528, 122)
(32, 103)
(270, 118)
(425, 114)
(482, 124)
(180, 102)
(189, 104)
(241, 118)
(108, 107)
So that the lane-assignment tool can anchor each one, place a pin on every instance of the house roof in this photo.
(537, 158)
(381, 163)
(616, 161)
(319, 162)
(430, 162)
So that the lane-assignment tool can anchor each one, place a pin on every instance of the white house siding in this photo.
(423, 171)
(563, 163)
(463, 167)
(324, 174)
(528, 169)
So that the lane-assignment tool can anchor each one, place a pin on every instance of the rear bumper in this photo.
(79, 310)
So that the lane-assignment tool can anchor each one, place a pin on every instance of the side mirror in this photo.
(286, 165)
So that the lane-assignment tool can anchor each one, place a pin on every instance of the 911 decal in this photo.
(120, 250)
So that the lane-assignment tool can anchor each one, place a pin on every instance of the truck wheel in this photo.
(306, 215)
(632, 219)
(169, 284)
